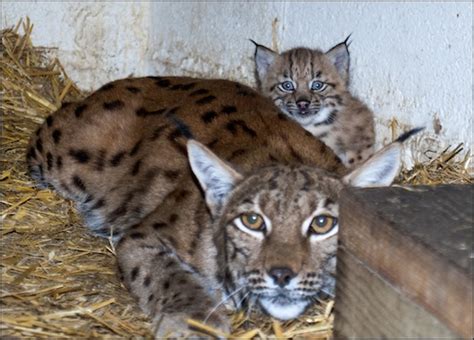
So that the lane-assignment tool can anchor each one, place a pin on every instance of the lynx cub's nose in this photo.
(281, 276)
(303, 106)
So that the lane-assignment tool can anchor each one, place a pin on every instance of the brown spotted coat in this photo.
(121, 155)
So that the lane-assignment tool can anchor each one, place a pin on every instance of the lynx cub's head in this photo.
(305, 84)
(276, 228)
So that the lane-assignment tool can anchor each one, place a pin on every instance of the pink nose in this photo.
(303, 105)
(281, 276)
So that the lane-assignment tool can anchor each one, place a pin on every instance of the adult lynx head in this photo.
(276, 228)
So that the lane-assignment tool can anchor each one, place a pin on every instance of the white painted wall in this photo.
(97, 42)
(412, 61)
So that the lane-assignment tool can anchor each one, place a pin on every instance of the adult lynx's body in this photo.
(252, 216)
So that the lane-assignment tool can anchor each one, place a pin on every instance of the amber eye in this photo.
(253, 221)
(322, 224)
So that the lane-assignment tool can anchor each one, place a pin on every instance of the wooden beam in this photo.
(419, 241)
(367, 306)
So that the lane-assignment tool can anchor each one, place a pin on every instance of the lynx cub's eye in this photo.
(322, 224)
(318, 86)
(253, 221)
(287, 86)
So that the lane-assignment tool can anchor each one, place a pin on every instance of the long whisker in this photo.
(239, 304)
(224, 300)
(328, 293)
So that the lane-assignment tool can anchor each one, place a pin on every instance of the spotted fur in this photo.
(311, 87)
(129, 156)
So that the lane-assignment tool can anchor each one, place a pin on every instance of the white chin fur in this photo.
(283, 312)
(310, 120)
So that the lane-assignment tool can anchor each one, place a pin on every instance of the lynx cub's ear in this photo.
(339, 56)
(264, 57)
(382, 168)
(217, 179)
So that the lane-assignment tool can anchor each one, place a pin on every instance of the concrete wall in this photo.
(412, 61)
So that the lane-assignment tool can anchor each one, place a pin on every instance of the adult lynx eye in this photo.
(322, 224)
(253, 221)
(318, 86)
(287, 86)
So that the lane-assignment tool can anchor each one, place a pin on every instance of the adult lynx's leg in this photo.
(169, 290)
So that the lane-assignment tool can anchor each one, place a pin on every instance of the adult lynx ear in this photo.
(379, 171)
(264, 58)
(217, 179)
(339, 56)
(382, 168)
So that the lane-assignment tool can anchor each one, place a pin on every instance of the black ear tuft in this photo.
(182, 127)
(347, 42)
(408, 134)
(254, 42)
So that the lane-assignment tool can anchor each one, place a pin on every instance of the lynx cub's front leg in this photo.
(167, 289)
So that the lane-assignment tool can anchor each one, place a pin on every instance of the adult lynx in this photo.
(252, 216)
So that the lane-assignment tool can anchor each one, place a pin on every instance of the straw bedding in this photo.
(59, 281)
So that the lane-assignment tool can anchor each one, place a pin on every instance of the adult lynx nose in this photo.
(281, 276)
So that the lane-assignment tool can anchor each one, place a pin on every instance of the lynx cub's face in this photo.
(305, 84)
(311, 87)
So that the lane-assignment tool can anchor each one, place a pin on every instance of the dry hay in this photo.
(57, 279)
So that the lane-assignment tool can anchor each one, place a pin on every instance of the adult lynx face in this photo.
(311, 87)
(276, 231)
(276, 228)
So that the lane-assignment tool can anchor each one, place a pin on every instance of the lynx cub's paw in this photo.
(311, 87)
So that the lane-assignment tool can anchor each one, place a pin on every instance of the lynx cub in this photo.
(259, 225)
(311, 87)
